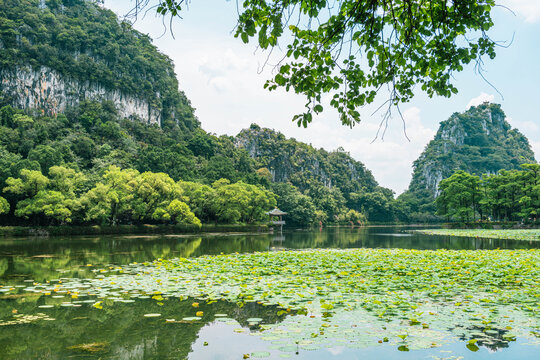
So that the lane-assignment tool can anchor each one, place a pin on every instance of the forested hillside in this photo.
(94, 130)
(55, 53)
(55, 169)
(478, 141)
(334, 180)
(86, 99)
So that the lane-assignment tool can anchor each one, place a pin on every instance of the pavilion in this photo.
(276, 217)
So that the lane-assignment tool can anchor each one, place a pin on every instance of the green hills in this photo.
(86, 95)
(478, 141)
(86, 100)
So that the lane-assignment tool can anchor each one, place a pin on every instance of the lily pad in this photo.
(260, 354)
(152, 315)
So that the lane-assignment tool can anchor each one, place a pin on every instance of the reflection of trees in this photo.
(41, 259)
(187, 248)
(336, 237)
(233, 243)
(122, 326)
(3, 266)
(385, 237)
(491, 338)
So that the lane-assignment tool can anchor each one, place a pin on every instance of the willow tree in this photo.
(352, 49)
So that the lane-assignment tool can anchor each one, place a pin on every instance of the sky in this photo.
(224, 78)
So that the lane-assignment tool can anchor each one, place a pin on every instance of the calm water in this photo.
(121, 331)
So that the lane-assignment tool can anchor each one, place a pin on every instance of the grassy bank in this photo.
(12, 231)
(511, 234)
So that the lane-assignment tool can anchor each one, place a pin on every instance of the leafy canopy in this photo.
(508, 195)
(351, 49)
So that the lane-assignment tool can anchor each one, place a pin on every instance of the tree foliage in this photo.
(478, 141)
(351, 49)
(509, 195)
(85, 42)
(459, 196)
(4, 206)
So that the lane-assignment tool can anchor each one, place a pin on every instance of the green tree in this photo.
(355, 217)
(4, 206)
(220, 167)
(177, 212)
(376, 205)
(198, 197)
(46, 156)
(110, 200)
(201, 144)
(459, 196)
(49, 204)
(28, 184)
(530, 201)
(328, 200)
(320, 217)
(45, 199)
(151, 193)
(175, 161)
(67, 181)
(299, 207)
(351, 49)
(240, 202)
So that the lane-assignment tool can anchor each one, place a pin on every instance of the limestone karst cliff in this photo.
(479, 141)
(52, 93)
(298, 163)
(55, 54)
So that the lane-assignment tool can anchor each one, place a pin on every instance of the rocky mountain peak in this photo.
(479, 141)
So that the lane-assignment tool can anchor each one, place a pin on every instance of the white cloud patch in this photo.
(528, 9)
(390, 159)
(483, 97)
(223, 63)
(525, 126)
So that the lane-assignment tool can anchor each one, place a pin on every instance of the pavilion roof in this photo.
(276, 212)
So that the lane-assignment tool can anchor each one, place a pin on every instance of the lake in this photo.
(64, 325)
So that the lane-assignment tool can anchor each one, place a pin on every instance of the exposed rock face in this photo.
(478, 141)
(290, 160)
(47, 90)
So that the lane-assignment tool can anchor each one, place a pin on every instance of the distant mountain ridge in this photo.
(479, 141)
(297, 162)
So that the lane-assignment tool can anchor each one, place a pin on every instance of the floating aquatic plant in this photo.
(510, 234)
(90, 347)
(358, 298)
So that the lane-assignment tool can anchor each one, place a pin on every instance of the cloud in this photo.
(528, 9)
(526, 126)
(223, 63)
(221, 84)
(390, 159)
(483, 97)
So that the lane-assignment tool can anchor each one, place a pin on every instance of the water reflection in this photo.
(120, 331)
(43, 259)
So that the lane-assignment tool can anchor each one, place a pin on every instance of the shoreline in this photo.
(69, 230)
